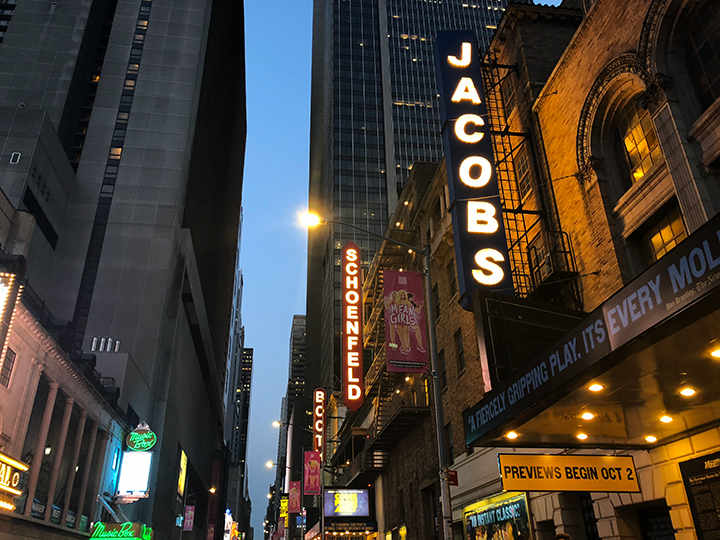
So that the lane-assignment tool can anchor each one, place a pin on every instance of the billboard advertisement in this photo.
(405, 322)
(346, 503)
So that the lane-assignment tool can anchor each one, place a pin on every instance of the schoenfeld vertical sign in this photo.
(480, 246)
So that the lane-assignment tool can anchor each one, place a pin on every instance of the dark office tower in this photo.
(122, 142)
(296, 368)
(238, 500)
(374, 113)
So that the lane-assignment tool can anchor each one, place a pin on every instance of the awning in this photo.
(648, 351)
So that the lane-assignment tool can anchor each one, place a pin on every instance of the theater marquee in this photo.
(480, 246)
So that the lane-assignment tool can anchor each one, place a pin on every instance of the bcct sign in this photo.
(480, 245)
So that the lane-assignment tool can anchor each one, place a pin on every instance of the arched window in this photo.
(639, 141)
(703, 51)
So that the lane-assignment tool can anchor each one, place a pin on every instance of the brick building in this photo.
(604, 117)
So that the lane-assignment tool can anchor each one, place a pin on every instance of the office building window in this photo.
(7, 368)
(666, 233)
(640, 141)
(452, 278)
(460, 351)
(436, 302)
(442, 370)
(522, 172)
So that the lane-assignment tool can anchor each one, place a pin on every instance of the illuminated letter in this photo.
(351, 268)
(461, 128)
(481, 217)
(351, 282)
(352, 341)
(351, 312)
(318, 425)
(465, 91)
(353, 391)
(353, 359)
(352, 297)
(480, 180)
(352, 255)
(465, 56)
(351, 378)
(490, 273)
(352, 327)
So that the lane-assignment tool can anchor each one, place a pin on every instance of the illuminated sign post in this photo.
(10, 476)
(319, 420)
(480, 245)
(352, 328)
(129, 530)
(134, 480)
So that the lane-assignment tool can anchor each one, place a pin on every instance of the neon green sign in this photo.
(130, 530)
(141, 439)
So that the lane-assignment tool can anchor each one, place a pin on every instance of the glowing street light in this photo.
(269, 464)
(276, 424)
(309, 219)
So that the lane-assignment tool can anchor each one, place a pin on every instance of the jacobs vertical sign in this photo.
(480, 246)
(352, 362)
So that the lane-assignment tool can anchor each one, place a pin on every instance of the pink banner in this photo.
(294, 500)
(405, 322)
(312, 471)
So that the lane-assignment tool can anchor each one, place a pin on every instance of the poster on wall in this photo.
(701, 477)
(502, 517)
(405, 322)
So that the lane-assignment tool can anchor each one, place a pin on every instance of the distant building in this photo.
(127, 215)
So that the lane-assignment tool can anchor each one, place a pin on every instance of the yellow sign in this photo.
(183, 473)
(284, 509)
(541, 472)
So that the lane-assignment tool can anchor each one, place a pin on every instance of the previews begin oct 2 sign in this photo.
(480, 245)
(352, 364)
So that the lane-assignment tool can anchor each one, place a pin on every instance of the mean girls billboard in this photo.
(405, 322)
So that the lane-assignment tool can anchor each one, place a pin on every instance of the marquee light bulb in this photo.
(587, 415)
(512, 435)
(687, 391)
(715, 353)
(665, 419)
(582, 436)
(596, 387)
(651, 438)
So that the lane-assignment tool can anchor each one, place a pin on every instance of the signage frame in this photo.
(632, 476)
(329, 493)
(352, 323)
(481, 252)
(319, 396)
(692, 483)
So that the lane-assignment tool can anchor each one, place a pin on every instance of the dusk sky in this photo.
(273, 258)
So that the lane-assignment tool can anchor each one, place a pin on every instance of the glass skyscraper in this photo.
(374, 113)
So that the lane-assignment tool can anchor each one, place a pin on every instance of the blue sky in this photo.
(278, 49)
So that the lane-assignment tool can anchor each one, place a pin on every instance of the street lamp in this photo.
(276, 423)
(311, 219)
(269, 464)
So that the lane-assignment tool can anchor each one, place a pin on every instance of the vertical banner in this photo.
(284, 510)
(405, 322)
(311, 473)
(479, 233)
(352, 346)
(319, 420)
(294, 497)
(189, 518)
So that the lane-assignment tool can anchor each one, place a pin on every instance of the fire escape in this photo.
(541, 257)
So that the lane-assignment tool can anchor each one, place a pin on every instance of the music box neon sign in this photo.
(481, 248)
